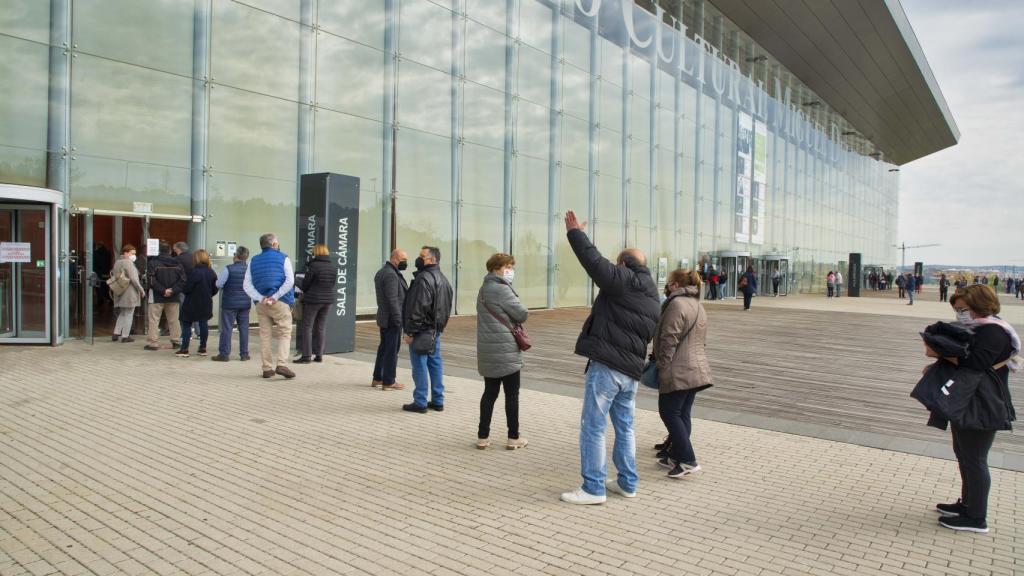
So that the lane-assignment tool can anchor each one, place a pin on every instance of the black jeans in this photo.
(314, 328)
(746, 299)
(387, 355)
(674, 409)
(971, 448)
(491, 388)
(186, 333)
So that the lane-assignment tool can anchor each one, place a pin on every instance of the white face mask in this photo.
(963, 316)
(133, 257)
(509, 275)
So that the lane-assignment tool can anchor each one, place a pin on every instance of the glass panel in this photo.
(342, 64)
(575, 142)
(610, 153)
(351, 145)
(531, 184)
(530, 247)
(426, 222)
(576, 91)
(570, 279)
(483, 115)
(240, 146)
(24, 95)
(286, 8)
(483, 177)
(244, 207)
(611, 62)
(534, 81)
(425, 34)
(424, 98)
(152, 34)
(241, 36)
(479, 238)
(533, 130)
(28, 19)
(489, 12)
(576, 44)
(424, 166)
(106, 184)
(359, 20)
(640, 121)
(485, 56)
(611, 106)
(6, 277)
(31, 279)
(535, 24)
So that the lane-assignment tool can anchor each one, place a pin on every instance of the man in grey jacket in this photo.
(390, 286)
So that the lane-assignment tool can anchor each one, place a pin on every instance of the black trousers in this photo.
(971, 448)
(491, 388)
(746, 299)
(314, 328)
(675, 409)
(387, 355)
(943, 294)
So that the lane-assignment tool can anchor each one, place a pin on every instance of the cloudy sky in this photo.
(970, 198)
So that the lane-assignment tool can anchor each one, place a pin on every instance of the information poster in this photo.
(744, 173)
(15, 252)
(759, 187)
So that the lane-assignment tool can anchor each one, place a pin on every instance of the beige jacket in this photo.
(682, 363)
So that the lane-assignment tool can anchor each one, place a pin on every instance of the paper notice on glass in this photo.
(153, 247)
(15, 252)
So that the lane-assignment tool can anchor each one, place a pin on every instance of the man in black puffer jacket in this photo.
(425, 312)
(614, 338)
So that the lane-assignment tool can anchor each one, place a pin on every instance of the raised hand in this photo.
(572, 223)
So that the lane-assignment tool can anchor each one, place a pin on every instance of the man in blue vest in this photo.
(269, 281)
(234, 306)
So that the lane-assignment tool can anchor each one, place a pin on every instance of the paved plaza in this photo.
(118, 461)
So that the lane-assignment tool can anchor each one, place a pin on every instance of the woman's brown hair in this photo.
(499, 261)
(682, 278)
(321, 250)
(979, 298)
(127, 248)
(201, 258)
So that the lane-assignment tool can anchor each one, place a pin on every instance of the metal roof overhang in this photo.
(863, 59)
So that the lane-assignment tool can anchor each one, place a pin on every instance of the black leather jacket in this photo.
(428, 303)
(318, 283)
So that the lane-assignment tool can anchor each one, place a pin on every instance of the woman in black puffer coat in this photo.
(317, 297)
(200, 288)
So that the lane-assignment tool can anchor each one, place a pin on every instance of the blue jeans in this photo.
(426, 366)
(228, 318)
(186, 333)
(910, 293)
(607, 392)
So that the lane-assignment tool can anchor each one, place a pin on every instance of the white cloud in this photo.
(970, 198)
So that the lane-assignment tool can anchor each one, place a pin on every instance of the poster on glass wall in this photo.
(759, 188)
(745, 145)
(744, 171)
(742, 204)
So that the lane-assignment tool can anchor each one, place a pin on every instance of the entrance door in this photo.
(727, 267)
(24, 273)
(7, 278)
(83, 277)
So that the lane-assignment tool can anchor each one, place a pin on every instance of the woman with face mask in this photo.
(499, 359)
(683, 368)
(993, 350)
(130, 298)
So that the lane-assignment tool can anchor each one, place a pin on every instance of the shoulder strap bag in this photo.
(518, 332)
(649, 377)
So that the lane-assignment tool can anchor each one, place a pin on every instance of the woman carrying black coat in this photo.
(200, 288)
(317, 297)
(994, 343)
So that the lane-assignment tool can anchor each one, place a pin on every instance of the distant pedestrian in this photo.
(683, 368)
(748, 285)
(425, 313)
(943, 288)
(614, 339)
(713, 285)
(776, 278)
(498, 357)
(919, 283)
(723, 284)
(839, 283)
(197, 308)
(270, 282)
(127, 293)
(317, 298)
(830, 283)
(901, 283)
(235, 305)
(390, 287)
(994, 343)
(911, 285)
(166, 280)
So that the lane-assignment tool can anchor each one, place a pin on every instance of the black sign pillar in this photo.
(329, 214)
(853, 275)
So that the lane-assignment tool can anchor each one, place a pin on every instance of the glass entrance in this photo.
(24, 274)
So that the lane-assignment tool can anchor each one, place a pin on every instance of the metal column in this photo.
(201, 86)
(388, 189)
(307, 90)
(458, 74)
(554, 147)
(594, 115)
(58, 140)
(511, 56)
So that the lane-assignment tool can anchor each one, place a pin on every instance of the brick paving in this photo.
(119, 461)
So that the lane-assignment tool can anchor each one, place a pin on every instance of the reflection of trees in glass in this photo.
(25, 170)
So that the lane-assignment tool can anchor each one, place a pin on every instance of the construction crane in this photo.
(903, 247)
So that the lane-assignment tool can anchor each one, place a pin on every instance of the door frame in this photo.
(48, 285)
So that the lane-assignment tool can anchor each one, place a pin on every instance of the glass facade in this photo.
(487, 119)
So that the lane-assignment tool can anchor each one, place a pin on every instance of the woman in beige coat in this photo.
(126, 302)
(683, 368)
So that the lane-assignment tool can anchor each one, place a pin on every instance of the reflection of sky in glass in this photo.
(154, 33)
(29, 19)
(23, 93)
(237, 144)
(242, 36)
(350, 77)
(359, 20)
(425, 34)
(424, 98)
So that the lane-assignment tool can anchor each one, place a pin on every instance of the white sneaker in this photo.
(613, 486)
(579, 496)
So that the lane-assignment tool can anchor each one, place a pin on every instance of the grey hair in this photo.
(242, 253)
(268, 240)
(183, 246)
(435, 252)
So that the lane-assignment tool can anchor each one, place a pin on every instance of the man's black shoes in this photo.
(435, 407)
(963, 523)
(413, 407)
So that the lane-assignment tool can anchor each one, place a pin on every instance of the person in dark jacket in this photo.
(166, 280)
(995, 343)
(390, 287)
(498, 357)
(748, 284)
(235, 305)
(943, 288)
(614, 339)
(317, 298)
(426, 309)
(910, 285)
(197, 308)
(185, 258)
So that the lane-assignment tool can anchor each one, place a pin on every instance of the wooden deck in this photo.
(852, 371)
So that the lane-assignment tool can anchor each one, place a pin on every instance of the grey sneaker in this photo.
(516, 443)
(613, 486)
(580, 496)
